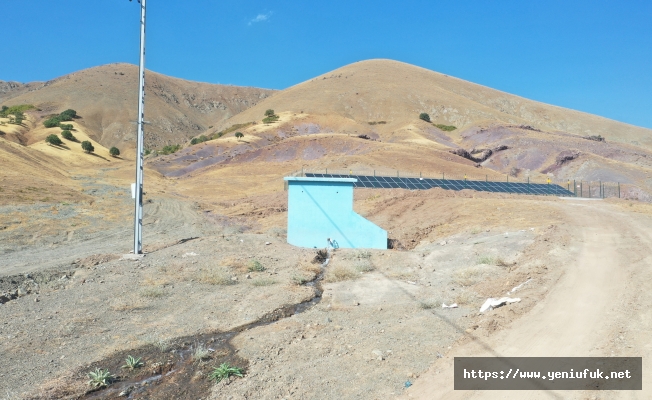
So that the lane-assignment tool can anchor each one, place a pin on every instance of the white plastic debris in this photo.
(191, 254)
(492, 303)
(268, 243)
(454, 305)
(519, 286)
(411, 283)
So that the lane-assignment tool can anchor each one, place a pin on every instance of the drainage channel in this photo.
(171, 371)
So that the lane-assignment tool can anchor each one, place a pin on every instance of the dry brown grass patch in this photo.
(340, 273)
(465, 297)
(235, 263)
(216, 277)
(468, 276)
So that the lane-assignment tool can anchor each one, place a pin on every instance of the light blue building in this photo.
(321, 209)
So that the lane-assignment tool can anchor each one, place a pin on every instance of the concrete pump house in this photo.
(320, 213)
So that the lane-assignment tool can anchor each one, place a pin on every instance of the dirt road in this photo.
(593, 310)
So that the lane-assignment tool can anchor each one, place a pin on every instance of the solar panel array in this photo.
(387, 182)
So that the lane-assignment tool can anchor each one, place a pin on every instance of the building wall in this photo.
(322, 208)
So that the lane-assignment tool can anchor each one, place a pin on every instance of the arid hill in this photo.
(396, 92)
(106, 98)
(366, 116)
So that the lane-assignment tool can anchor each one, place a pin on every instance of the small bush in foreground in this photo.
(66, 127)
(224, 371)
(114, 151)
(201, 353)
(216, 277)
(100, 378)
(424, 117)
(263, 282)
(255, 266)
(132, 363)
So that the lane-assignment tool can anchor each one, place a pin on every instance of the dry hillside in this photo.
(392, 91)
(106, 98)
(365, 116)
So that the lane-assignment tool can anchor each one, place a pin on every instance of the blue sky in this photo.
(589, 55)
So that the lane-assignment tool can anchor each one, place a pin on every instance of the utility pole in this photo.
(138, 213)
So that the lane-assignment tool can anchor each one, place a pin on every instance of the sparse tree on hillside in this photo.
(269, 113)
(68, 115)
(114, 151)
(66, 127)
(54, 140)
(87, 146)
(68, 135)
(52, 122)
(239, 135)
(425, 117)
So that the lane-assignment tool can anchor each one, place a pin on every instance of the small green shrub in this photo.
(269, 113)
(224, 371)
(114, 151)
(52, 122)
(255, 266)
(200, 139)
(263, 282)
(232, 128)
(425, 117)
(6, 111)
(87, 146)
(447, 128)
(269, 120)
(170, 149)
(54, 140)
(239, 135)
(68, 136)
(486, 260)
(68, 115)
(66, 127)
(132, 363)
(147, 152)
(100, 378)
(201, 353)
(216, 277)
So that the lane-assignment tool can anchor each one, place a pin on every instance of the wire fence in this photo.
(384, 178)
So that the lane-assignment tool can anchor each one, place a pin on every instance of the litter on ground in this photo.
(492, 303)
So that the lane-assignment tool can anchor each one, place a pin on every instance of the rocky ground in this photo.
(221, 277)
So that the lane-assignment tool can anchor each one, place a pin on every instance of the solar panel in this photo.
(390, 182)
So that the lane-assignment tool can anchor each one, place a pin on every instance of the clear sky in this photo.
(589, 55)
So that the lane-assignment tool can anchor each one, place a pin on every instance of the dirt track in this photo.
(593, 310)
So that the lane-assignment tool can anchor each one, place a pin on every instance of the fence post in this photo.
(589, 190)
(618, 189)
(486, 178)
(600, 191)
(374, 172)
(442, 177)
(507, 178)
(581, 189)
(574, 188)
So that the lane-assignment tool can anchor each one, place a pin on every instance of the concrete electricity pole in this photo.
(138, 214)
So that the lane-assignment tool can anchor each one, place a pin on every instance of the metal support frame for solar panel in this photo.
(392, 182)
